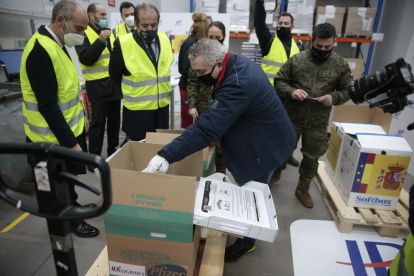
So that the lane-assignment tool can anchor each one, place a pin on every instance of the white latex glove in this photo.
(157, 164)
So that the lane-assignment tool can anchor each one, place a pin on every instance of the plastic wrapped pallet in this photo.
(207, 6)
(302, 12)
(239, 11)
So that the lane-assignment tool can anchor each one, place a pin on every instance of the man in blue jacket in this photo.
(247, 116)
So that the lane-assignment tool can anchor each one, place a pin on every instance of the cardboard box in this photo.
(248, 211)
(134, 256)
(357, 66)
(165, 136)
(338, 131)
(360, 21)
(372, 169)
(331, 14)
(151, 213)
(377, 122)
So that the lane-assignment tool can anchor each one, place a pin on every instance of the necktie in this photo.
(151, 51)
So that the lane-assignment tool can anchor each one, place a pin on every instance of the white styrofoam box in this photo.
(247, 211)
(239, 11)
(372, 169)
(207, 6)
(338, 130)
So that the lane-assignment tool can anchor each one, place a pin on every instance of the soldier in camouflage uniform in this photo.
(312, 81)
(199, 94)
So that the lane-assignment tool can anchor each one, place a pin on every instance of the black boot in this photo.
(238, 250)
(292, 161)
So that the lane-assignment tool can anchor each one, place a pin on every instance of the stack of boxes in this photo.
(149, 226)
(357, 66)
(348, 22)
(367, 165)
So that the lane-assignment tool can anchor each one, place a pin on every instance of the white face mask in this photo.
(71, 39)
(130, 21)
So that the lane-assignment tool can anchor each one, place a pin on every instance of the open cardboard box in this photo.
(150, 222)
(365, 120)
(247, 211)
(165, 136)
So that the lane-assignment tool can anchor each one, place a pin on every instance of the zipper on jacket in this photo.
(257, 157)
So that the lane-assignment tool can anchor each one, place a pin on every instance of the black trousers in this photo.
(136, 123)
(104, 113)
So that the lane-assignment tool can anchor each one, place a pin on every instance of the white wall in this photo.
(396, 23)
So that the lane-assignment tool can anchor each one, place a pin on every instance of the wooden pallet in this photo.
(386, 223)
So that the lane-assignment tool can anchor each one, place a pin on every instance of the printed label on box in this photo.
(166, 270)
(330, 12)
(230, 201)
(120, 269)
(366, 23)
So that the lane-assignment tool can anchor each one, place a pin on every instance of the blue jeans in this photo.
(263, 179)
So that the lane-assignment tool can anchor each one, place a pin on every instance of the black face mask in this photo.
(283, 32)
(321, 55)
(208, 78)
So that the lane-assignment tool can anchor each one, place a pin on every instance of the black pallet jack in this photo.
(52, 191)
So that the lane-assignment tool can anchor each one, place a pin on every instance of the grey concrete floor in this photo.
(25, 249)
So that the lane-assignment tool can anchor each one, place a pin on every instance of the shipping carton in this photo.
(247, 211)
(372, 169)
(357, 66)
(151, 213)
(165, 136)
(365, 120)
(331, 14)
(360, 21)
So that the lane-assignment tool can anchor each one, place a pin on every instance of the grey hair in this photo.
(66, 8)
(146, 8)
(210, 49)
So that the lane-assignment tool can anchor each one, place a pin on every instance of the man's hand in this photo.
(299, 94)
(157, 164)
(77, 148)
(326, 100)
(104, 35)
(193, 112)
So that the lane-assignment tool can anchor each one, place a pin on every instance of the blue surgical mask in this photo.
(102, 23)
(148, 35)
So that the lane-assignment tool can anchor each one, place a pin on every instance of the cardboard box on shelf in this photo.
(166, 136)
(331, 14)
(357, 66)
(365, 120)
(372, 169)
(247, 211)
(360, 21)
(151, 213)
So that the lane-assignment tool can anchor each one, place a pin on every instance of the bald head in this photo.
(68, 16)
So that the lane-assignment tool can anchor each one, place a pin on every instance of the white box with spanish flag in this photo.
(372, 169)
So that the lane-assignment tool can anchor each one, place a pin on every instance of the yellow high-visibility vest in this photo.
(403, 264)
(146, 88)
(276, 58)
(99, 70)
(119, 30)
(35, 126)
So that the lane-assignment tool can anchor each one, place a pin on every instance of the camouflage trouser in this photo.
(314, 145)
(220, 164)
